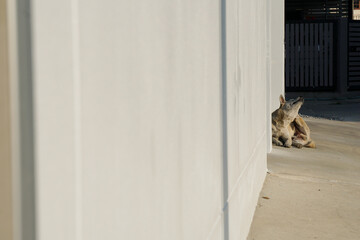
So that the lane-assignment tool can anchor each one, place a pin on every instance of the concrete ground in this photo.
(313, 193)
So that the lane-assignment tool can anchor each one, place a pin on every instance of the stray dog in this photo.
(288, 128)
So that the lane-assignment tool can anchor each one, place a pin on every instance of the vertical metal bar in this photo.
(321, 54)
(331, 59)
(306, 49)
(326, 9)
(297, 55)
(312, 49)
(342, 37)
(341, 7)
(301, 58)
(326, 55)
(316, 56)
(287, 56)
(292, 53)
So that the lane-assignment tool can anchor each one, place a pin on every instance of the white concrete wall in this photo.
(277, 72)
(247, 108)
(128, 118)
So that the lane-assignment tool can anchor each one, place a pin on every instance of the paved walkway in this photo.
(313, 193)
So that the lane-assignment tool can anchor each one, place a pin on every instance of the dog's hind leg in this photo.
(296, 144)
(311, 144)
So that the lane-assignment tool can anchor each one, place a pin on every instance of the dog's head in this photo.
(291, 107)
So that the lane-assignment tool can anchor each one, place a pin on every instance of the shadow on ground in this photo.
(342, 110)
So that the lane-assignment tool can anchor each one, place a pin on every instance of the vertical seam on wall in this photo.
(224, 117)
(15, 119)
(77, 119)
(268, 77)
(26, 134)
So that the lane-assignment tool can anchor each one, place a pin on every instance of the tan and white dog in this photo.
(288, 128)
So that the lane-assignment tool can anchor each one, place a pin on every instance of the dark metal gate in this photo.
(354, 56)
(310, 56)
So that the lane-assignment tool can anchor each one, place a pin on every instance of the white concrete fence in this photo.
(129, 133)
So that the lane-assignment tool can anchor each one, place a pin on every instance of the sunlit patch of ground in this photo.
(313, 193)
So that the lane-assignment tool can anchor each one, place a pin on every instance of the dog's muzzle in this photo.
(299, 99)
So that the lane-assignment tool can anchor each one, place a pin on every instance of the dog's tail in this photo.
(311, 144)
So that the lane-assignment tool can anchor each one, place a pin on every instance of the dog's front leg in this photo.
(276, 141)
(288, 142)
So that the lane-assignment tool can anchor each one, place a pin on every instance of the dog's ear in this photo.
(282, 100)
